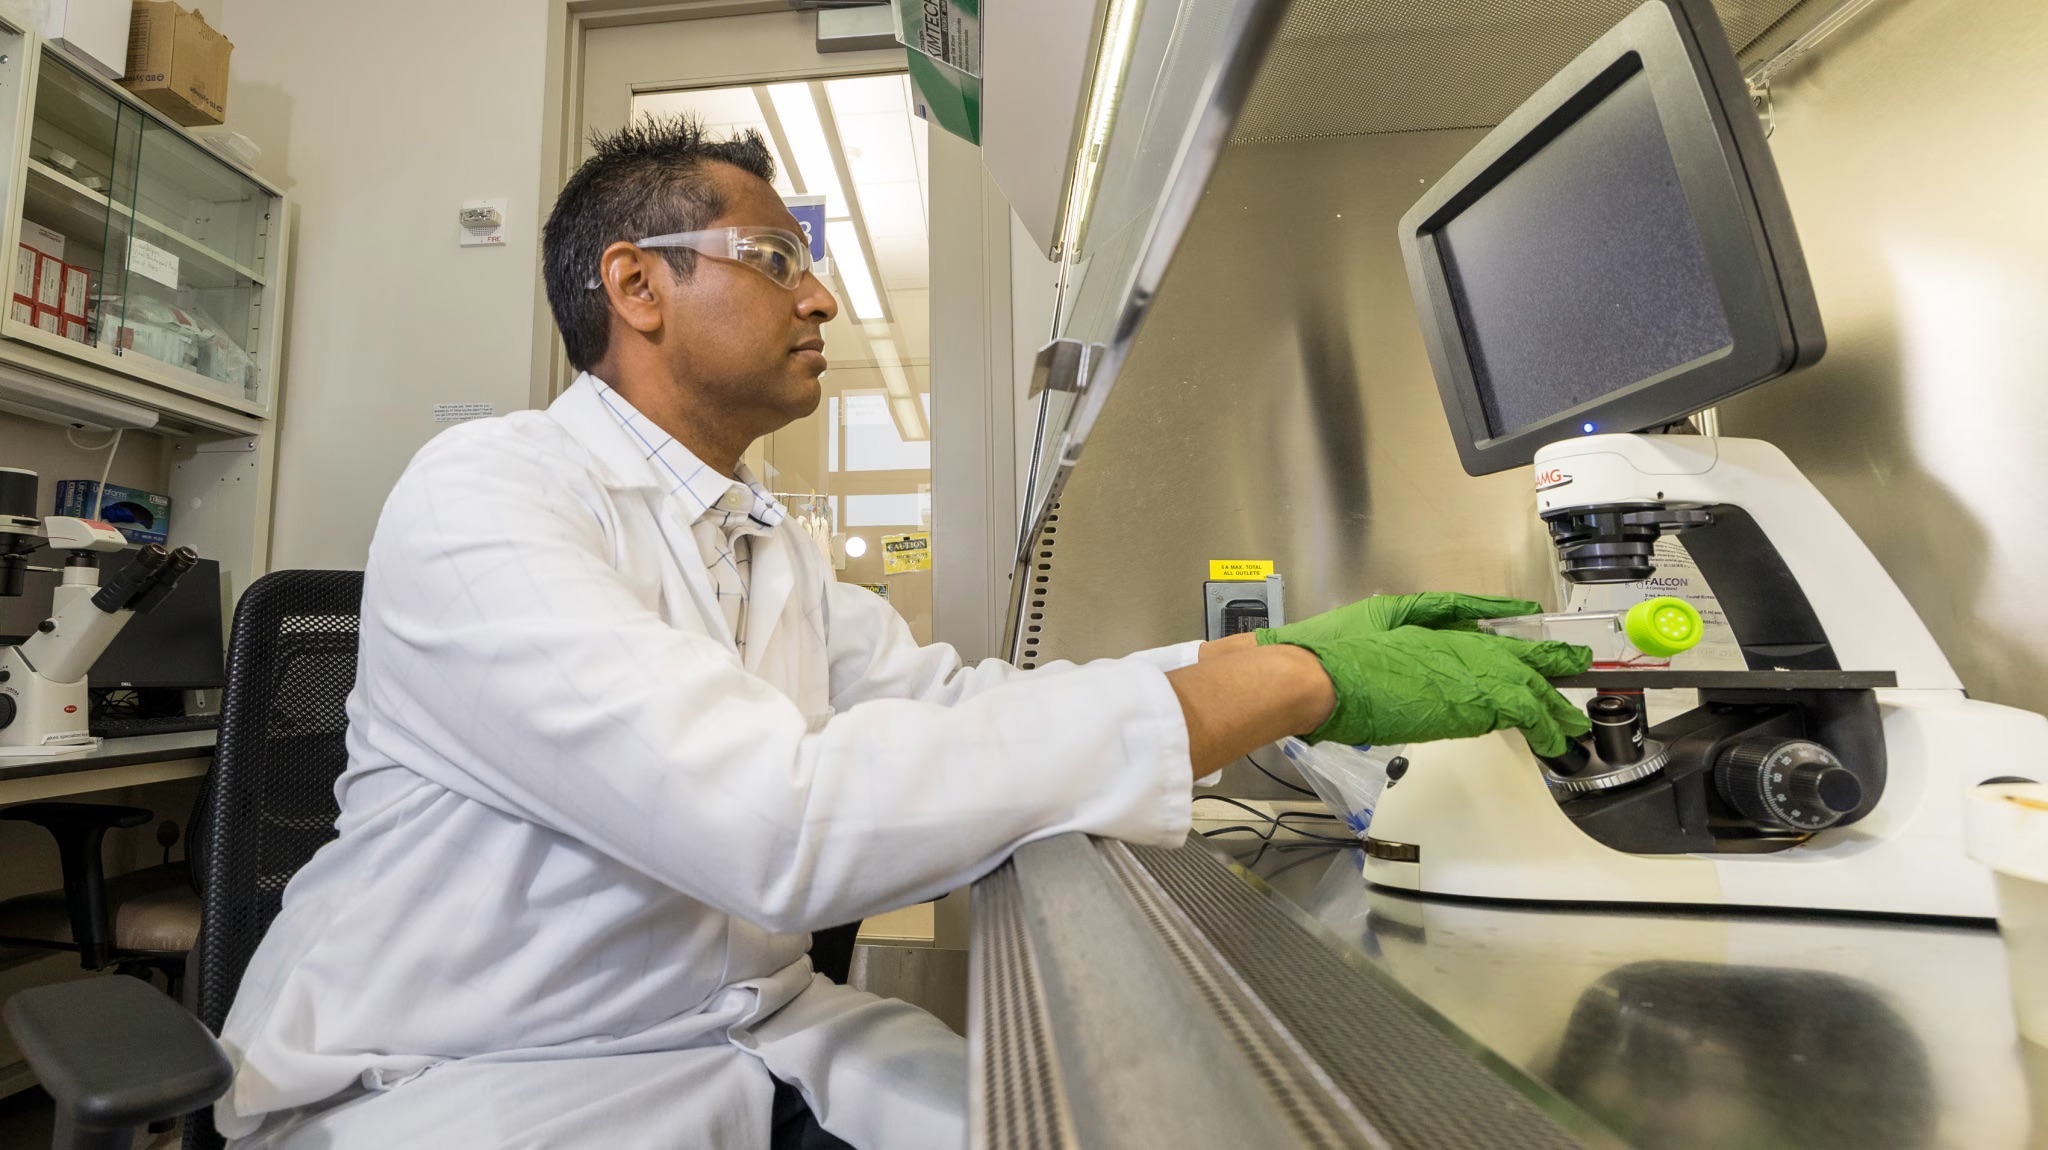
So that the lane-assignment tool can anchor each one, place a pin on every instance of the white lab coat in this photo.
(582, 843)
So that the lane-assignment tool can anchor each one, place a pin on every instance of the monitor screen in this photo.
(1615, 254)
(1582, 272)
(176, 644)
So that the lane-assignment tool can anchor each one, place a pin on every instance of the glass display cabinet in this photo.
(139, 251)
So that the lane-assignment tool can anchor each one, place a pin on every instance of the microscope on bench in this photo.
(1614, 257)
(44, 701)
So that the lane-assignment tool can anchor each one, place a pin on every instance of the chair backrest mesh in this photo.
(270, 798)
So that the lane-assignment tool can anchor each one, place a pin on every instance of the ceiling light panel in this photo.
(850, 265)
(806, 135)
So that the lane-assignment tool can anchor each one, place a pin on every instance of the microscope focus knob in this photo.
(7, 710)
(1789, 784)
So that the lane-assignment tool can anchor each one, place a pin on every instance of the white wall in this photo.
(379, 118)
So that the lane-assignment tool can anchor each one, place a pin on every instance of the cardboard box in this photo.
(95, 31)
(75, 330)
(141, 516)
(77, 286)
(23, 310)
(50, 283)
(25, 271)
(177, 64)
(49, 320)
(42, 239)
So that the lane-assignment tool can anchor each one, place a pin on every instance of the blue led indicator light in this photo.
(1587, 428)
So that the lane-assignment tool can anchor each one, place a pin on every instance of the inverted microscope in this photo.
(1616, 256)
(44, 700)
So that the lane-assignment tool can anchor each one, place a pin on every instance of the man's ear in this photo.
(635, 284)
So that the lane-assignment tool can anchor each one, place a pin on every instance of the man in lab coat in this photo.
(619, 741)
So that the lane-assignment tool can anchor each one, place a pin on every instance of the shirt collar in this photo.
(697, 484)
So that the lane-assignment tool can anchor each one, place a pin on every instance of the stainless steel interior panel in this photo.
(1345, 67)
(1279, 405)
(1172, 120)
(1909, 149)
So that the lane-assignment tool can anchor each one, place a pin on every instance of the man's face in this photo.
(735, 337)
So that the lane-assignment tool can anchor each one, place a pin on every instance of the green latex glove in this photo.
(1414, 685)
(1437, 610)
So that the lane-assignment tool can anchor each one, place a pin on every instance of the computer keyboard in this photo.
(122, 728)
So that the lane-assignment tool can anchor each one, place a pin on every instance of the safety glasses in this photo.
(781, 256)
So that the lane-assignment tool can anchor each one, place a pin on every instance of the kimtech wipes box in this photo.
(177, 63)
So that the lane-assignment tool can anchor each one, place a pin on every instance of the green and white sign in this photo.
(943, 42)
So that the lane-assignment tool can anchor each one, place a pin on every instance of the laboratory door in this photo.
(857, 472)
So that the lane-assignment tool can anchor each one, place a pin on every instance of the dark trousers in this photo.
(795, 1127)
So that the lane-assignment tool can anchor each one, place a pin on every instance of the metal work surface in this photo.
(1139, 998)
(1704, 1032)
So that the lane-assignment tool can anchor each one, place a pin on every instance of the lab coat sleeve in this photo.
(874, 656)
(506, 658)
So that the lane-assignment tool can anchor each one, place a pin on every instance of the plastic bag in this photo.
(1348, 779)
(182, 336)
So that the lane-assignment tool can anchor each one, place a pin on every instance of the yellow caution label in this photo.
(905, 553)
(1243, 570)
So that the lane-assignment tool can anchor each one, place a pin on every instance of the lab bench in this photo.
(1238, 993)
(125, 762)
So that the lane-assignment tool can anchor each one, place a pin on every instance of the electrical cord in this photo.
(1274, 829)
(1274, 823)
(1276, 778)
(71, 435)
(1250, 809)
(99, 495)
(1258, 856)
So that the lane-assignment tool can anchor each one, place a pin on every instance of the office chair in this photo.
(143, 920)
(114, 1054)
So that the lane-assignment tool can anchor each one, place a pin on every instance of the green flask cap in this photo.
(1663, 627)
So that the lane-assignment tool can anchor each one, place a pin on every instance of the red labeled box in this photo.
(76, 288)
(24, 310)
(74, 329)
(50, 321)
(50, 283)
(25, 272)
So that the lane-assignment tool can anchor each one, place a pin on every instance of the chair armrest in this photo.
(116, 1055)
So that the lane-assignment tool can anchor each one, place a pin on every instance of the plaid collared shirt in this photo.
(725, 513)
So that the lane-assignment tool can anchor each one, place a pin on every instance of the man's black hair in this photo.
(646, 179)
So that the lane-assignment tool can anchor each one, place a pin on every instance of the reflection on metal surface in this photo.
(1707, 1032)
(1921, 226)
(1195, 64)
(1710, 1055)
(1279, 405)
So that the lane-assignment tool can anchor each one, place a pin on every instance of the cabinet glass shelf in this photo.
(163, 252)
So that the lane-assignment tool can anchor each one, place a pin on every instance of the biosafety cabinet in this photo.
(147, 295)
(1238, 371)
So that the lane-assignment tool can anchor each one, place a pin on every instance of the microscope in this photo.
(1830, 775)
(44, 703)
(1615, 256)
